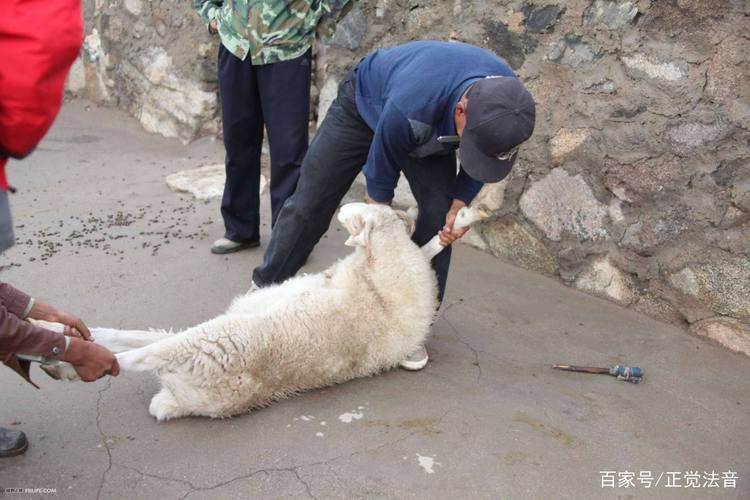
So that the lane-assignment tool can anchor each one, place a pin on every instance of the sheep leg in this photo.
(114, 340)
(143, 359)
(464, 218)
(432, 247)
(125, 340)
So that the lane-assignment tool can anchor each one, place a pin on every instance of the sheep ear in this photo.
(408, 220)
(359, 231)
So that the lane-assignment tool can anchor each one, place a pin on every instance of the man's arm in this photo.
(21, 337)
(391, 145)
(91, 361)
(24, 306)
(208, 10)
(466, 188)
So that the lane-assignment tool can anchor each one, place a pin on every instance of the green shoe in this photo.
(223, 245)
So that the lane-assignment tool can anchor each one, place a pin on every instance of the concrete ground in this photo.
(101, 235)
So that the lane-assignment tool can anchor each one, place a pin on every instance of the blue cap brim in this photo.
(479, 166)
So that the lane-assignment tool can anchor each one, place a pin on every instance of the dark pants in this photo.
(277, 95)
(335, 157)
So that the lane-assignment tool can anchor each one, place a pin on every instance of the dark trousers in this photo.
(275, 95)
(335, 157)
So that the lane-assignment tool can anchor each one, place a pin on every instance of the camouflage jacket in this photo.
(270, 31)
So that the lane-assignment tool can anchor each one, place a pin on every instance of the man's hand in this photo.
(91, 361)
(448, 234)
(213, 27)
(46, 312)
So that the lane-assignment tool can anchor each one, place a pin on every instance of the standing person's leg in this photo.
(431, 180)
(334, 158)
(242, 121)
(284, 89)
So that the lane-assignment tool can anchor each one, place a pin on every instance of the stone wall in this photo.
(636, 184)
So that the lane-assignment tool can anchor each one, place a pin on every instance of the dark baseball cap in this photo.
(500, 116)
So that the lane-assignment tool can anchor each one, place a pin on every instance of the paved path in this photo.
(101, 235)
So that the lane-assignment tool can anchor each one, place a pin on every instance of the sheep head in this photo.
(360, 219)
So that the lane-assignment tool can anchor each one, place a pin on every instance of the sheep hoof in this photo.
(164, 406)
(61, 371)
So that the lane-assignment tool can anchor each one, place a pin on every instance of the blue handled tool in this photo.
(627, 373)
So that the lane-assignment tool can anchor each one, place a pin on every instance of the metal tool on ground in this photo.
(627, 373)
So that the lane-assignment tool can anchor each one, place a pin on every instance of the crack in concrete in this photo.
(104, 438)
(156, 476)
(444, 317)
(194, 488)
(291, 470)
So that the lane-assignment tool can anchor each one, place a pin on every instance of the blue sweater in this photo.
(407, 95)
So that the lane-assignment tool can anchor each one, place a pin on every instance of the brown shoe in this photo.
(12, 442)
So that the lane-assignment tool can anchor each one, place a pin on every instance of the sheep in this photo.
(360, 317)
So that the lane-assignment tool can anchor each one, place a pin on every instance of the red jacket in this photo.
(39, 40)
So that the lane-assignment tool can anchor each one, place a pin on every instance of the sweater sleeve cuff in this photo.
(14, 300)
(379, 193)
(210, 16)
(26, 311)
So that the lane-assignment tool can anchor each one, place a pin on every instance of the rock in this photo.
(657, 307)
(741, 193)
(728, 332)
(556, 51)
(351, 30)
(639, 65)
(513, 47)
(514, 20)
(92, 47)
(687, 138)
(135, 7)
(380, 8)
(511, 242)
(615, 210)
(727, 75)
(204, 183)
(571, 51)
(565, 141)
(542, 19)
(326, 97)
(421, 17)
(643, 178)
(76, 78)
(614, 15)
(724, 285)
(598, 85)
(474, 239)
(561, 203)
(605, 280)
(662, 224)
(491, 196)
(173, 106)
